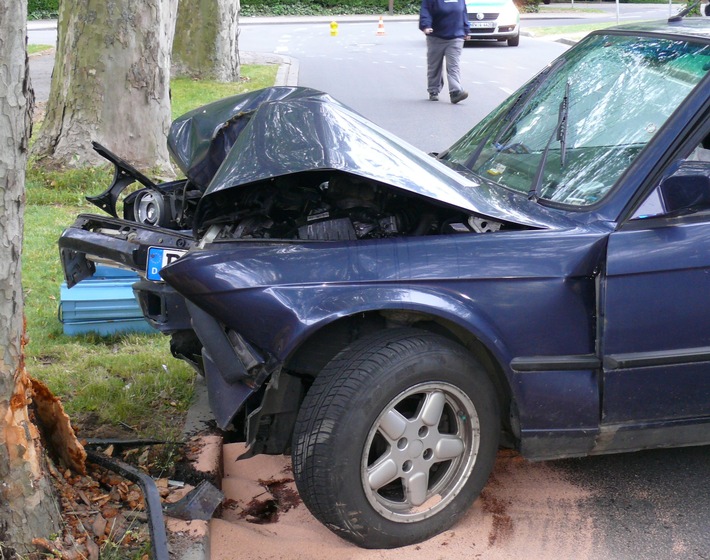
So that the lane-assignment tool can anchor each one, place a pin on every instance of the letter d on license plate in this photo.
(158, 257)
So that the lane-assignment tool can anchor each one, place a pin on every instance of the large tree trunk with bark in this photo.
(28, 507)
(111, 83)
(206, 40)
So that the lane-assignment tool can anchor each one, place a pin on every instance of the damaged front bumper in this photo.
(120, 243)
(234, 369)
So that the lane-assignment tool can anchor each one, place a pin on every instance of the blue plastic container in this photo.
(103, 304)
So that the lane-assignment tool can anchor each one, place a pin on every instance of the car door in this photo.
(655, 319)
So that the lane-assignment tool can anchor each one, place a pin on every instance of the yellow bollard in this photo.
(333, 28)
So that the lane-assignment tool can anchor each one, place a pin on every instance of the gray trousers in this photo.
(436, 50)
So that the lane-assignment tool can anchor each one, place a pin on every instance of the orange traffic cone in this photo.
(380, 28)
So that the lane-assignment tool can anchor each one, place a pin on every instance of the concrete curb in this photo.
(287, 74)
(567, 41)
(190, 539)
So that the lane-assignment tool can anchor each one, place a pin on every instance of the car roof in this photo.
(694, 27)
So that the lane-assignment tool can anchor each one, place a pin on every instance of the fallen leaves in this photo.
(97, 512)
(104, 512)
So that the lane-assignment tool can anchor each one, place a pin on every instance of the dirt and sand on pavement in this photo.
(527, 510)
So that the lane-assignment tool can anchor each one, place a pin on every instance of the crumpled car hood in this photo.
(278, 131)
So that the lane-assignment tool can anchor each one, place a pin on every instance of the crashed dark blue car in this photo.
(390, 318)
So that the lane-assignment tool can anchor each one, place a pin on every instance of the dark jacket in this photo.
(448, 18)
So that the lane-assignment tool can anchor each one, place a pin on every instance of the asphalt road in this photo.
(384, 77)
(646, 505)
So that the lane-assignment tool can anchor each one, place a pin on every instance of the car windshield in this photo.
(570, 133)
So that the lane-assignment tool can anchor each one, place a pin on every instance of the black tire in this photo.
(514, 41)
(362, 432)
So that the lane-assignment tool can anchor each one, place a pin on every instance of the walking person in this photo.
(445, 24)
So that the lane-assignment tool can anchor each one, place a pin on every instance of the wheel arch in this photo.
(325, 341)
(314, 340)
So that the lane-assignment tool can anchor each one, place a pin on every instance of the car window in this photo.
(653, 205)
(701, 151)
(570, 134)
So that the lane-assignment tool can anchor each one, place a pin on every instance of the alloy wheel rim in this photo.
(420, 451)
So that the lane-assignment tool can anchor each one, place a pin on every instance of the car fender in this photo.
(500, 288)
(324, 307)
(274, 294)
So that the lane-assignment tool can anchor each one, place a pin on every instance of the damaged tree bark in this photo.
(206, 40)
(28, 507)
(111, 83)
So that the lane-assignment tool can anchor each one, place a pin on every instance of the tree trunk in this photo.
(206, 40)
(28, 507)
(111, 83)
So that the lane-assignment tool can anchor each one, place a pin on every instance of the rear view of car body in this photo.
(494, 19)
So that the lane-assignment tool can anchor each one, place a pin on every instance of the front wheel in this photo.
(396, 438)
(514, 41)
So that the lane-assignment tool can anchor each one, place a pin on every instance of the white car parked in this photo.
(494, 19)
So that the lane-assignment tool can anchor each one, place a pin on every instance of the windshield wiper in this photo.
(560, 133)
(684, 12)
(514, 112)
(562, 126)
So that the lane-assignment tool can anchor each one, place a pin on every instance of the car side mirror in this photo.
(687, 188)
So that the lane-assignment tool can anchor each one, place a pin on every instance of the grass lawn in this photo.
(579, 29)
(34, 49)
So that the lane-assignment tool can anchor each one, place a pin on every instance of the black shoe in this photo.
(433, 97)
(458, 96)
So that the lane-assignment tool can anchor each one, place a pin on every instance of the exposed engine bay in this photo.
(336, 207)
(323, 206)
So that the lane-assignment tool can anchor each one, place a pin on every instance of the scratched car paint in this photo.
(390, 318)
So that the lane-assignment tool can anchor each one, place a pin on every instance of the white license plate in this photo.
(158, 257)
(482, 24)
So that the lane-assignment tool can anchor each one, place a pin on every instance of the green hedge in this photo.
(325, 7)
(42, 5)
(42, 9)
(45, 8)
